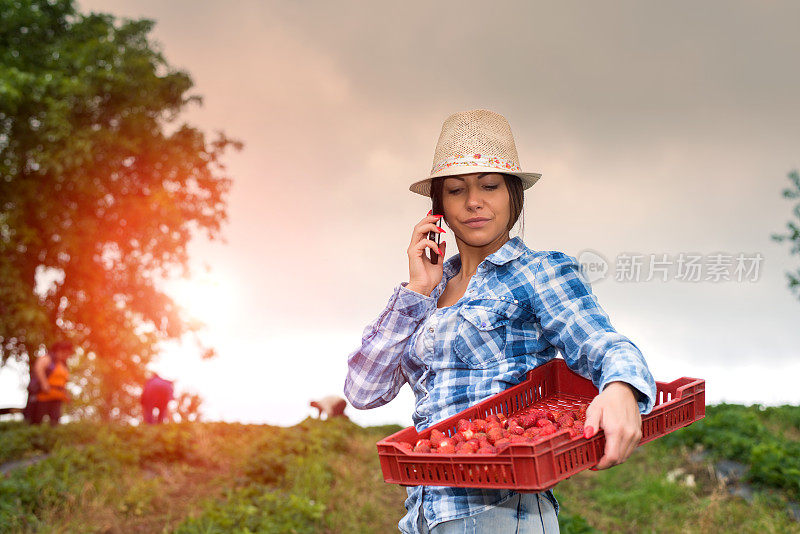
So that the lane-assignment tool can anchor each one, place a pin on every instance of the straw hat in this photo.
(478, 140)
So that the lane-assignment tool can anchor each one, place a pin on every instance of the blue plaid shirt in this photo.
(520, 308)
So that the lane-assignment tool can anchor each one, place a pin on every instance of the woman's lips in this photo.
(476, 224)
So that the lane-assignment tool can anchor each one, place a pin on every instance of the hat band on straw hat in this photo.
(476, 160)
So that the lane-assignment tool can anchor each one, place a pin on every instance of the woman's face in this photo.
(63, 354)
(477, 195)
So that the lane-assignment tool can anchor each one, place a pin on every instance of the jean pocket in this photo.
(481, 337)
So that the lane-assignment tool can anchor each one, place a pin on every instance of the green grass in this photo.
(324, 476)
(765, 439)
(114, 477)
(638, 497)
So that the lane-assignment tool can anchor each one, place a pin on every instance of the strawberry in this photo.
(532, 432)
(547, 430)
(541, 423)
(565, 421)
(458, 438)
(493, 424)
(470, 447)
(527, 420)
(538, 414)
(479, 425)
(494, 435)
(437, 436)
(446, 447)
(462, 424)
(518, 439)
(423, 445)
(465, 448)
(500, 442)
(516, 429)
(488, 449)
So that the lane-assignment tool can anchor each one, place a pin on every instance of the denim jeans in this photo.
(523, 513)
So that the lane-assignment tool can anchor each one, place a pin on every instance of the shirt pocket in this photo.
(481, 336)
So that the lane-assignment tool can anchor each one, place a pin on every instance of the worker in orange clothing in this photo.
(48, 383)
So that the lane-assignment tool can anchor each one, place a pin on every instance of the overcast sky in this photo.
(658, 129)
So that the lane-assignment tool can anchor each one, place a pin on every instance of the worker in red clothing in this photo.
(47, 389)
(156, 395)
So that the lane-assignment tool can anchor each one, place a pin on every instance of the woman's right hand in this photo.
(424, 276)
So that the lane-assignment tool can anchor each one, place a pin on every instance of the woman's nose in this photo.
(474, 197)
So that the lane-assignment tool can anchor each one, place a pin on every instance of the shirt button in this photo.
(430, 329)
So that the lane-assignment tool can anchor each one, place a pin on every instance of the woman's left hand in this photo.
(615, 411)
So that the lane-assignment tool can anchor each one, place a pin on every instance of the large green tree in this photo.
(792, 235)
(101, 189)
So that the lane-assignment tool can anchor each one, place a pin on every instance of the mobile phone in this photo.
(435, 236)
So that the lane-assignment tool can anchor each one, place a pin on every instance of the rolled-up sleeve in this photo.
(374, 374)
(573, 322)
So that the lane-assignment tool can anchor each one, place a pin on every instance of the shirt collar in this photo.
(511, 250)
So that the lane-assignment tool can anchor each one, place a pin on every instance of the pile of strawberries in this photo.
(487, 436)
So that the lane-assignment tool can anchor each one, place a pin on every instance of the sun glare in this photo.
(208, 297)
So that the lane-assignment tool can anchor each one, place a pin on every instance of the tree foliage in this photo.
(101, 189)
(793, 229)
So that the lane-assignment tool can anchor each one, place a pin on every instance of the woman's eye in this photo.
(489, 187)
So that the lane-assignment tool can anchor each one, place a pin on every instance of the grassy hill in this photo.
(324, 476)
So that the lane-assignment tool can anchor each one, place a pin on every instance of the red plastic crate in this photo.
(533, 467)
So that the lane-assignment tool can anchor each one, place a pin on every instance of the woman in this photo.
(462, 330)
(47, 390)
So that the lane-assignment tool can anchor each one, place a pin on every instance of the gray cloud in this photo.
(657, 127)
